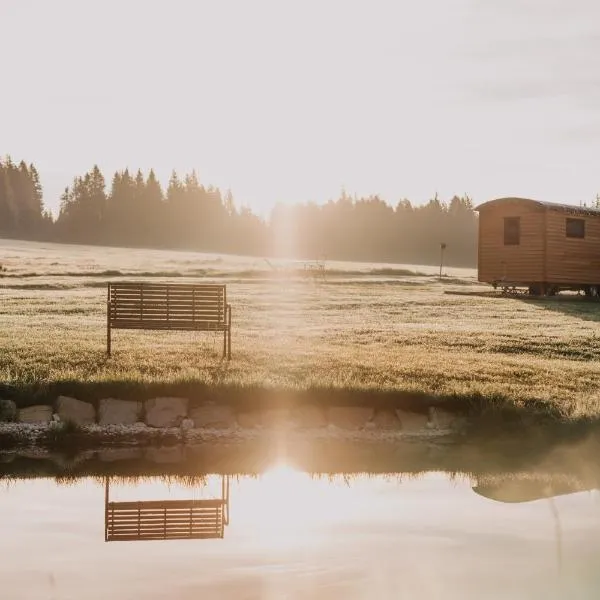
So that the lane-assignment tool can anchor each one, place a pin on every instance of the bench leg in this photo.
(228, 332)
(108, 322)
(224, 343)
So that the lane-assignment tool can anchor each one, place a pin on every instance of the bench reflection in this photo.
(195, 519)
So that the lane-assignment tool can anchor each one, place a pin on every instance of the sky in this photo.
(291, 101)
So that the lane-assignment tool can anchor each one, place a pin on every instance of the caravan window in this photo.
(512, 231)
(575, 228)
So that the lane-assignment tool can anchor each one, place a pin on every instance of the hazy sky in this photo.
(291, 100)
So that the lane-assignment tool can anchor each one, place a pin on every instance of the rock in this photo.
(40, 413)
(412, 421)
(213, 416)
(8, 411)
(349, 417)
(186, 424)
(249, 419)
(308, 416)
(113, 454)
(275, 417)
(112, 411)
(386, 419)
(165, 454)
(75, 411)
(165, 412)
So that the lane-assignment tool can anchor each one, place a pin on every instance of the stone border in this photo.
(173, 412)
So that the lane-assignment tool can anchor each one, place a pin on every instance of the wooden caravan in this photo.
(542, 246)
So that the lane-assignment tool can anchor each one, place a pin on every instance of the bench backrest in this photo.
(166, 305)
(164, 520)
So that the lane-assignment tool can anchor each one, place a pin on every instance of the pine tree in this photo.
(120, 215)
(65, 215)
(139, 191)
(96, 204)
(8, 216)
(83, 208)
(154, 193)
(154, 210)
(65, 201)
(38, 194)
(229, 204)
(175, 207)
(175, 190)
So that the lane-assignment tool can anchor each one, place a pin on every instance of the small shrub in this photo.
(9, 440)
(69, 427)
(8, 411)
(62, 434)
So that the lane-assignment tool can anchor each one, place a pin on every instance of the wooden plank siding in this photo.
(155, 306)
(523, 263)
(545, 255)
(573, 260)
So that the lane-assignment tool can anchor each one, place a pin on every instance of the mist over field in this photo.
(135, 211)
(298, 325)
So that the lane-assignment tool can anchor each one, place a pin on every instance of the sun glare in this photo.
(283, 507)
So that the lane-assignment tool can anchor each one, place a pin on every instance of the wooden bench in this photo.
(170, 307)
(164, 520)
(197, 519)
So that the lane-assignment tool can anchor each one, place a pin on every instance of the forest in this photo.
(135, 210)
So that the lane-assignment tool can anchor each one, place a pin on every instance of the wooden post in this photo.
(223, 299)
(225, 490)
(108, 322)
(442, 248)
(224, 502)
(106, 494)
(108, 338)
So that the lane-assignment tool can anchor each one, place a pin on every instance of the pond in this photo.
(284, 532)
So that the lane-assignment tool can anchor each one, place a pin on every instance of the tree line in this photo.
(22, 212)
(135, 210)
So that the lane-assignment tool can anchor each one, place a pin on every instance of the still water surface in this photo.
(296, 535)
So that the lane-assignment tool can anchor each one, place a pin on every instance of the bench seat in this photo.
(169, 307)
(165, 520)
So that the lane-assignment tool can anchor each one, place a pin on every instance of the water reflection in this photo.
(166, 519)
(317, 522)
(527, 488)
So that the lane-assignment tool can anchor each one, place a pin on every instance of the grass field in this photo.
(372, 330)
